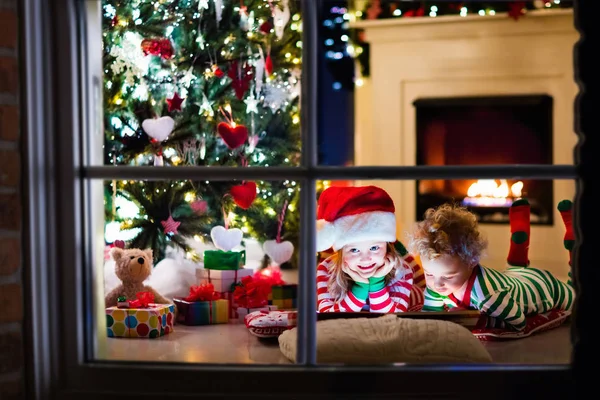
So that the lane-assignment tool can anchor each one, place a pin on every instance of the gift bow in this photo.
(143, 300)
(271, 276)
(203, 292)
(252, 292)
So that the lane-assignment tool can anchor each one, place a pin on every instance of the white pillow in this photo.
(390, 339)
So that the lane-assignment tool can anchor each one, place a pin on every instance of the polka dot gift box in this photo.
(151, 322)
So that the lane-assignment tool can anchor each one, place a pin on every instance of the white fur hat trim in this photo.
(374, 226)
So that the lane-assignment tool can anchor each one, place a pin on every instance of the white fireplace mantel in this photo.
(453, 56)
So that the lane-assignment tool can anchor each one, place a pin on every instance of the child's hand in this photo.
(388, 265)
(356, 277)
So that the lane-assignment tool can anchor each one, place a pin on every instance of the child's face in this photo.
(364, 258)
(445, 275)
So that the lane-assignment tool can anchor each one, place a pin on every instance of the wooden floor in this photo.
(233, 344)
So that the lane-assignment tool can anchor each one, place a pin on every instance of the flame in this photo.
(488, 193)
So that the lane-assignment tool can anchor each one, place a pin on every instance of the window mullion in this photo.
(307, 296)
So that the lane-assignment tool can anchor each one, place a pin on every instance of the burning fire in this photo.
(487, 193)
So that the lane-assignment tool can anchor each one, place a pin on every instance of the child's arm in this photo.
(380, 300)
(500, 305)
(417, 298)
(411, 262)
(405, 295)
(433, 301)
(354, 300)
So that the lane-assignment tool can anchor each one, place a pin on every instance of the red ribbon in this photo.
(143, 300)
(270, 275)
(252, 293)
(203, 292)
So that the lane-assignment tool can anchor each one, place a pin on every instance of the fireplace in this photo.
(416, 61)
(485, 131)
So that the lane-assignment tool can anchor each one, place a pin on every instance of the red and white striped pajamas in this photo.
(399, 295)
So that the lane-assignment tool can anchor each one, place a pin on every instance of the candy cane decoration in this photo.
(280, 222)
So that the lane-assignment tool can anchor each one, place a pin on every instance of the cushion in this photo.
(389, 339)
(265, 324)
(535, 324)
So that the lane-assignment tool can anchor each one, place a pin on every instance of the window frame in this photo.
(58, 290)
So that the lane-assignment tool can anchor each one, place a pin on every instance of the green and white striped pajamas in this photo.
(510, 295)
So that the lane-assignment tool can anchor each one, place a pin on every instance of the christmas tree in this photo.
(201, 83)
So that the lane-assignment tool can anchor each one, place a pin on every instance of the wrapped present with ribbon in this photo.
(140, 319)
(224, 260)
(223, 280)
(233, 314)
(251, 294)
(272, 275)
(284, 296)
(203, 306)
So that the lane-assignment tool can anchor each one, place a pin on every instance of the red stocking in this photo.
(566, 212)
(518, 254)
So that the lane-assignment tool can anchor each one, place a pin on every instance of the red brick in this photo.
(10, 168)
(8, 29)
(12, 390)
(9, 123)
(10, 255)
(11, 303)
(10, 211)
(9, 75)
(11, 352)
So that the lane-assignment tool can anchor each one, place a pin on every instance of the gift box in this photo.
(243, 311)
(284, 296)
(287, 291)
(223, 280)
(202, 312)
(233, 315)
(284, 304)
(151, 322)
(224, 260)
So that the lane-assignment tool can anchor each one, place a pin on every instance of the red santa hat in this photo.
(353, 214)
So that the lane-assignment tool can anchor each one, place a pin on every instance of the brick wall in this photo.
(11, 298)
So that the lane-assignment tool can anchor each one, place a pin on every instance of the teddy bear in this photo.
(132, 267)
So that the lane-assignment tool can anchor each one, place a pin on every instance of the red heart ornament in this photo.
(244, 194)
(233, 137)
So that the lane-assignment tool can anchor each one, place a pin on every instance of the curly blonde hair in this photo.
(448, 230)
(339, 281)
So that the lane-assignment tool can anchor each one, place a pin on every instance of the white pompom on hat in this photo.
(353, 214)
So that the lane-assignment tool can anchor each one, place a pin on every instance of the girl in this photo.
(450, 246)
(366, 270)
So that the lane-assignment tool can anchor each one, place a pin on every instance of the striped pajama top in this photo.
(510, 295)
(399, 295)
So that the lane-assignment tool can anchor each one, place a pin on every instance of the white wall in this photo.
(450, 56)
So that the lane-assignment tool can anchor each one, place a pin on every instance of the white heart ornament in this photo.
(158, 128)
(226, 239)
(278, 252)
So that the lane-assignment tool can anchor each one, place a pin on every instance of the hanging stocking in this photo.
(565, 208)
(519, 214)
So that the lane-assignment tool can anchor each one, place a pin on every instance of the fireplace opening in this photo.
(486, 131)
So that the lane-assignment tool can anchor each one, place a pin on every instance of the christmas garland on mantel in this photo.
(385, 9)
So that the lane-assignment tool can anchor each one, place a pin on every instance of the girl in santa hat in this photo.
(368, 269)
